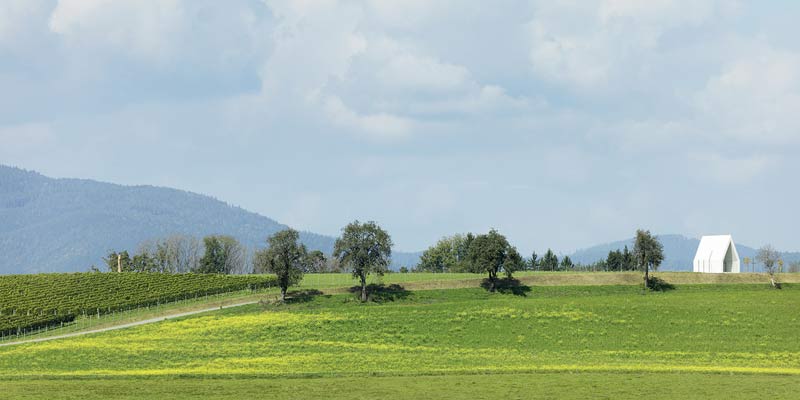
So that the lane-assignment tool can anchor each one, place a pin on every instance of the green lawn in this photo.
(563, 340)
(512, 386)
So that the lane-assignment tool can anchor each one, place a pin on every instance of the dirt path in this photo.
(129, 324)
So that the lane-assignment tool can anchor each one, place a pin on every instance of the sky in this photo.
(562, 124)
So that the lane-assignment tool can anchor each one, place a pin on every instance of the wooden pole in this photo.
(119, 263)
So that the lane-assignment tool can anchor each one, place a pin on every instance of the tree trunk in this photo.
(646, 277)
(492, 282)
(363, 289)
(283, 294)
(772, 280)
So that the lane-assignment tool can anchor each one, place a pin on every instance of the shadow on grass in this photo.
(507, 286)
(657, 284)
(302, 296)
(382, 293)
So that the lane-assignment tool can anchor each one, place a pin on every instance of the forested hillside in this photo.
(61, 225)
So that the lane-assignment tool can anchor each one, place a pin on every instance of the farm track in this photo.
(130, 324)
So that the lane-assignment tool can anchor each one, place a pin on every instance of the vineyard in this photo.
(45, 300)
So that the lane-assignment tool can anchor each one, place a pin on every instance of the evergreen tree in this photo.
(549, 261)
(566, 264)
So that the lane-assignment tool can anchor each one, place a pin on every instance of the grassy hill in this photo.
(450, 342)
(66, 225)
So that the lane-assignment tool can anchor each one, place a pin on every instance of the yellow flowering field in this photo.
(743, 329)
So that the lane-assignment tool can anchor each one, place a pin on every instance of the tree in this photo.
(491, 253)
(769, 257)
(284, 257)
(549, 261)
(365, 249)
(118, 262)
(513, 262)
(315, 262)
(794, 267)
(213, 260)
(533, 263)
(746, 261)
(648, 253)
(614, 261)
(173, 254)
(142, 262)
(223, 255)
(566, 263)
(627, 260)
(449, 254)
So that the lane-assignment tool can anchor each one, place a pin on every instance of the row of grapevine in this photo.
(34, 301)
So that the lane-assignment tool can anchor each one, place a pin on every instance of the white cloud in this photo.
(144, 28)
(755, 97)
(410, 71)
(382, 126)
(591, 44)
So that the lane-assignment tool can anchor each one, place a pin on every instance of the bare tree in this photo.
(769, 257)
(173, 254)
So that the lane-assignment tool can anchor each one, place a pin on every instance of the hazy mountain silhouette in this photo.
(55, 225)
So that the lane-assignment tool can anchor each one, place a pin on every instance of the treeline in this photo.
(215, 254)
(452, 254)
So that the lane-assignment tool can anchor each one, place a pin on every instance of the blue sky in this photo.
(561, 123)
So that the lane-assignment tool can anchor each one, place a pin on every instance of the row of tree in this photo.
(452, 254)
(216, 254)
(364, 248)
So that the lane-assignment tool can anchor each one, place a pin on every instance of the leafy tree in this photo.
(118, 262)
(648, 253)
(614, 261)
(491, 252)
(449, 254)
(746, 261)
(549, 261)
(284, 257)
(315, 262)
(403, 270)
(566, 263)
(223, 255)
(364, 248)
(513, 262)
(213, 260)
(769, 257)
(142, 262)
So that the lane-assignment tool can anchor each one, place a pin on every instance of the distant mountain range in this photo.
(60, 225)
(679, 252)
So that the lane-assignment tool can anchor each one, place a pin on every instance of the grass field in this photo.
(511, 386)
(552, 337)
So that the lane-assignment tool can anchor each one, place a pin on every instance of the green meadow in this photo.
(556, 341)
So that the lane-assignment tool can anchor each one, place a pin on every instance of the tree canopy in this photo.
(491, 253)
(365, 248)
(284, 257)
(648, 253)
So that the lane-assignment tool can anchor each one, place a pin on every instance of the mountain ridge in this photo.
(68, 224)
